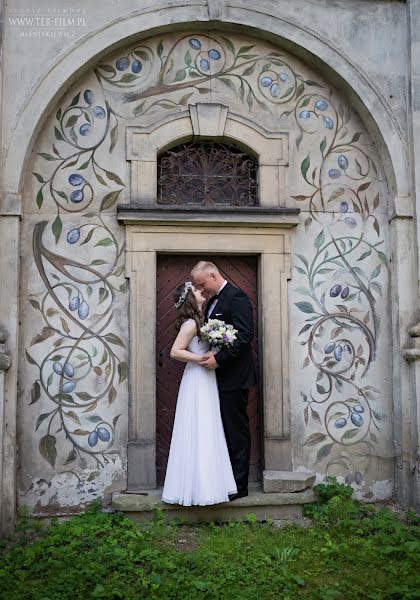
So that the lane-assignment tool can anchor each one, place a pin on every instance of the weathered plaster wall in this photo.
(73, 396)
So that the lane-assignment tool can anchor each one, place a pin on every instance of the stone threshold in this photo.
(285, 505)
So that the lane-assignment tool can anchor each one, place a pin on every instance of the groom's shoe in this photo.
(240, 494)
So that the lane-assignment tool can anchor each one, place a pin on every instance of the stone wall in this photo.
(330, 75)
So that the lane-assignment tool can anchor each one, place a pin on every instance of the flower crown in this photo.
(187, 287)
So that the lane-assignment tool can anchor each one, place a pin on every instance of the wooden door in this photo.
(173, 270)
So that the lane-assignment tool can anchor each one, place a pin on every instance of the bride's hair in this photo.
(188, 309)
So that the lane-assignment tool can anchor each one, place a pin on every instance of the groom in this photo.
(234, 366)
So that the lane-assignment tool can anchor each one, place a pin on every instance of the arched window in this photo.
(207, 173)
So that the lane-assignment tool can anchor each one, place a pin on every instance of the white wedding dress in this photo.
(199, 471)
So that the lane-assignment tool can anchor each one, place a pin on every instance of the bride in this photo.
(199, 471)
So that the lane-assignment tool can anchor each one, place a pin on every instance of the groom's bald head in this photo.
(207, 277)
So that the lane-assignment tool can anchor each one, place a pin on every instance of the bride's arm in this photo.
(179, 349)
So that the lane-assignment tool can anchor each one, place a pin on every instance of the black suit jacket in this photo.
(236, 366)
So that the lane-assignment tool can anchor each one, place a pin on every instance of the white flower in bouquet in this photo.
(218, 334)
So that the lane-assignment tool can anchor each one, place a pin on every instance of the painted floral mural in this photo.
(338, 293)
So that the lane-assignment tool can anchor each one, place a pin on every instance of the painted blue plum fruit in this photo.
(68, 370)
(328, 122)
(329, 347)
(75, 179)
(305, 114)
(214, 54)
(195, 44)
(343, 162)
(338, 352)
(321, 105)
(345, 292)
(340, 423)
(85, 129)
(334, 173)
(122, 64)
(89, 97)
(83, 310)
(68, 387)
(266, 81)
(99, 112)
(283, 77)
(358, 408)
(136, 66)
(103, 434)
(73, 236)
(93, 438)
(344, 207)
(350, 222)
(57, 368)
(204, 64)
(275, 90)
(74, 303)
(356, 419)
(77, 196)
(335, 290)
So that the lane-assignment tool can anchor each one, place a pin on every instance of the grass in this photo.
(350, 551)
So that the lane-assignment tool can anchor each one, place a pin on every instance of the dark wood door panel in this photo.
(173, 270)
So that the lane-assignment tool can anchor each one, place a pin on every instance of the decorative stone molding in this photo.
(204, 122)
(5, 359)
(412, 351)
(176, 230)
(10, 204)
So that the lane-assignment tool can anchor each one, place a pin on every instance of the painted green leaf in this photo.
(112, 338)
(57, 228)
(159, 49)
(97, 261)
(310, 82)
(228, 83)
(323, 452)
(112, 395)
(350, 434)
(314, 439)
(180, 75)
(229, 45)
(47, 448)
(58, 115)
(110, 199)
(113, 137)
(35, 392)
(105, 242)
(323, 145)
(84, 396)
(72, 121)
(305, 166)
(249, 70)
(320, 239)
(71, 457)
(122, 371)
(107, 69)
(245, 49)
(114, 177)
(124, 286)
(141, 54)
(39, 198)
(305, 102)
(46, 156)
(75, 100)
(58, 134)
(383, 258)
(39, 177)
(128, 77)
(29, 358)
(103, 294)
(376, 271)
(187, 58)
(365, 254)
(88, 237)
(305, 307)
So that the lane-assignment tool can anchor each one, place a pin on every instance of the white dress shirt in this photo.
(213, 304)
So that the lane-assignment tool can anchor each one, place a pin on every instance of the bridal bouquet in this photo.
(218, 334)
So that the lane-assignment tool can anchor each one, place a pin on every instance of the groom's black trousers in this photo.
(233, 408)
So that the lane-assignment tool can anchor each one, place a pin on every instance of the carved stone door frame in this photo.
(151, 229)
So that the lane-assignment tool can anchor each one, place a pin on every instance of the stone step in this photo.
(287, 481)
(141, 506)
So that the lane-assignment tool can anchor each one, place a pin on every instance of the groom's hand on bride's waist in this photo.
(208, 361)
